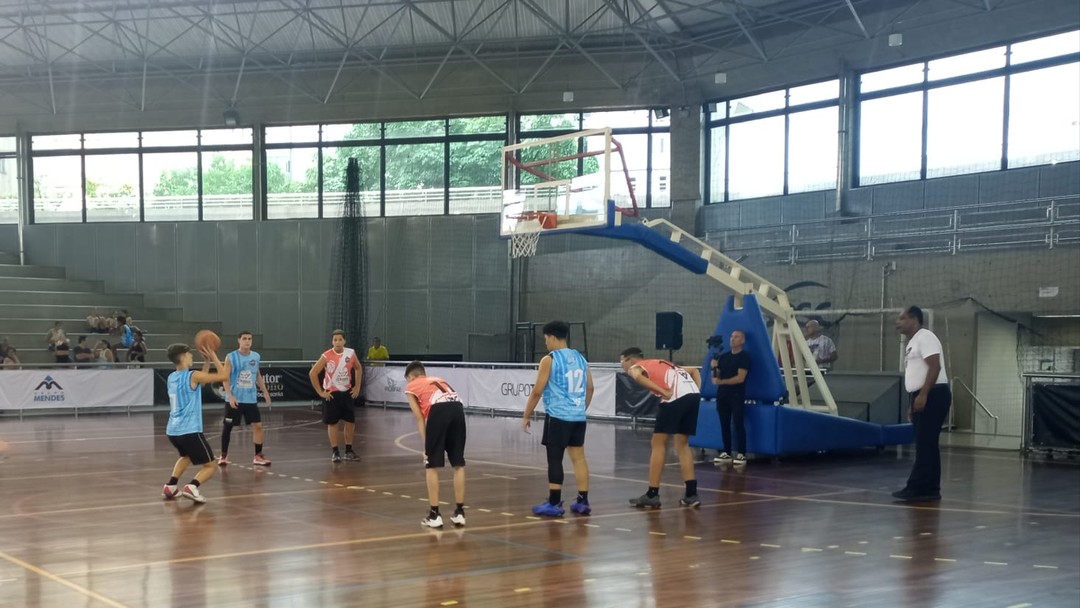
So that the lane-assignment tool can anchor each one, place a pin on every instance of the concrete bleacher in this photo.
(32, 298)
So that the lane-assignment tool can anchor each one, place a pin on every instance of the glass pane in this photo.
(347, 132)
(57, 189)
(963, 132)
(661, 171)
(227, 186)
(756, 163)
(9, 189)
(416, 128)
(112, 188)
(764, 102)
(166, 139)
(894, 77)
(335, 164)
(111, 140)
(546, 122)
(56, 142)
(968, 63)
(292, 134)
(814, 92)
(664, 122)
(1043, 48)
(226, 137)
(717, 155)
(636, 152)
(615, 120)
(475, 168)
(812, 141)
(7, 144)
(414, 179)
(1044, 116)
(715, 111)
(171, 186)
(292, 183)
(890, 139)
(563, 169)
(478, 124)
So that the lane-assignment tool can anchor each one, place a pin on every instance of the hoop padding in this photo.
(525, 238)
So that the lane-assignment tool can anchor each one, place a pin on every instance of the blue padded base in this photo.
(775, 430)
(764, 382)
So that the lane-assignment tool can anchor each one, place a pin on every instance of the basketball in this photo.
(207, 339)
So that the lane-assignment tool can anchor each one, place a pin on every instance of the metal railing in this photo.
(1042, 222)
(956, 380)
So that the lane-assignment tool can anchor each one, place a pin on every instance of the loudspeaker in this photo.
(668, 331)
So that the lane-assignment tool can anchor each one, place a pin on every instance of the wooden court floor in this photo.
(82, 523)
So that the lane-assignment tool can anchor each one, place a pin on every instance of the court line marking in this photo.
(56, 579)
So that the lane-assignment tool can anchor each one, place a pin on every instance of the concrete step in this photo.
(78, 326)
(49, 284)
(9, 258)
(80, 311)
(91, 298)
(14, 270)
(158, 355)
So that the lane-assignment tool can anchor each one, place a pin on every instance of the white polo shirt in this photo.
(920, 346)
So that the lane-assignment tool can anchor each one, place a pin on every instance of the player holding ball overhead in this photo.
(340, 387)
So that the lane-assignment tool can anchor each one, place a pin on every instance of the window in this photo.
(890, 139)
(475, 176)
(335, 169)
(963, 131)
(58, 190)
(112, 187)
(292, 182)
(773, 143)
(1044, 127)
(171, 186)
(1045, 48)
(9, 182)
(226, 186)
(415, 183)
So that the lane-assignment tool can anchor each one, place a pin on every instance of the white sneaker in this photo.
(431, 522)
(458, 519)
(170, 492)
(723, 457)
(740, 459)
(192, 492)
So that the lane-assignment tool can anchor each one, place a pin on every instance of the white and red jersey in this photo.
(667, 375)
(430, 390)
(339, 366)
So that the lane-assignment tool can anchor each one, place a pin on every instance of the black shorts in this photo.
(339, 407)
(678, 417)
(247, 413)
(444, 435)
(194, 446)
(559, 433)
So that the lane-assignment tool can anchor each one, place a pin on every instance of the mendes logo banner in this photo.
(30, 389)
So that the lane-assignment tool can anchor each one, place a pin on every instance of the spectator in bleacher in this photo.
(9, 358)
(83, 353)
(123, 330)
(55, 335)
(62, 350)
(137, 352)
(821, 346)
(104, 355)
(378, 351)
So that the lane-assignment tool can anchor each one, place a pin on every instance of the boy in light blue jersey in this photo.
(185, 425)
(242, 398)
(566, 383)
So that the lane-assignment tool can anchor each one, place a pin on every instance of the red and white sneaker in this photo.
(261, 460)
(170, 492)
(192, 492)
(222, 460)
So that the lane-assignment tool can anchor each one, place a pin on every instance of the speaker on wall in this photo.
(668, 331)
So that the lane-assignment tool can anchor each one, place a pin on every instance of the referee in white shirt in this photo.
(929, 398)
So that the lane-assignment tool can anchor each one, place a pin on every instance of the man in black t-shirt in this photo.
(729, 375)
(82, 352)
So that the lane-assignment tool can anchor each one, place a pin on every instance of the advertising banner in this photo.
(63, 388)
(283, 383)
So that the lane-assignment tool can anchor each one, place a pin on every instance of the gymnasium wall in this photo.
(432, 280)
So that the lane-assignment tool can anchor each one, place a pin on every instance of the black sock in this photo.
(434, 512)
(335, 449)
(554, 496)
(194, 482)
(583, 496)
(691, 487)
(258, 449)
(348, 447)
(173, 481)
(653, 492)
(460, 508)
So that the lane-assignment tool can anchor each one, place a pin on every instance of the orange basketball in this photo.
(207, 339)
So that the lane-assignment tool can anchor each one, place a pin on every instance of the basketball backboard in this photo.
(564, 183)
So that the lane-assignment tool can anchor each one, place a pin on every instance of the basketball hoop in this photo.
(525, 238)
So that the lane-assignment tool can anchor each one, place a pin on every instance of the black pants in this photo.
(925, 479)
(731, 405)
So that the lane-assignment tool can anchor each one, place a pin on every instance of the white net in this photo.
(525, 238)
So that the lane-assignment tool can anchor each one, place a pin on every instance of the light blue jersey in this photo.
(185, 405)
(244, 376)
(564, 395)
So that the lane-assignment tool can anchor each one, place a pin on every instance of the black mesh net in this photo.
(348, 290)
